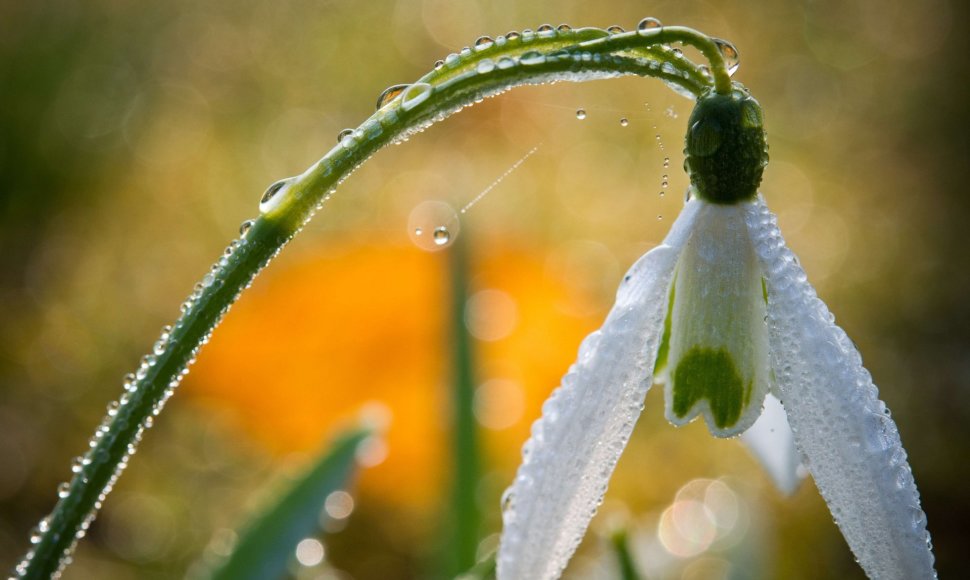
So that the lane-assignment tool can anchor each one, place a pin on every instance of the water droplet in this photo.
(441, 236)
(532, 57)
(666, 162)
(677, 53)
(624, 122)
(271, 191)
(546, 31)
(63, 489)
(507, 498)
(732, 58)
(670, 113)
(439, 64)
(661, 194)
(660, 217)
(615, 29)
(245, 227)
(414, 95)
(344, 134)
(564, 28)
(665, 181)
(389, 94)
(436, 218)
(506, 62)
(580, 114)
(648, 23)
(486, 65)
(513, 35)
(484, 42)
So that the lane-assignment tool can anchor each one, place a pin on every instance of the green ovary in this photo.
(707, 373)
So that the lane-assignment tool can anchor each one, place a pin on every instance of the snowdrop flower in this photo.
(721, 315)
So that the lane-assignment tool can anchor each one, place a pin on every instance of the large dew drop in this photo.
(389, 95)
(732, 58)
(414, 95)
(647, 24)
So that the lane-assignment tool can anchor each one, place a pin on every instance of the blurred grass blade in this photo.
(267, 546)
(466, 517)
(621, 547)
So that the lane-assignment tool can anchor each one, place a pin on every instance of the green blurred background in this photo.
(135, 137)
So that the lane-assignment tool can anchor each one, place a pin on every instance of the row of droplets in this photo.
(96, 454)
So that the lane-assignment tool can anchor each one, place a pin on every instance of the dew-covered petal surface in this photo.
(586, 423)
(717, 363)
(847, 438)
(772, 443)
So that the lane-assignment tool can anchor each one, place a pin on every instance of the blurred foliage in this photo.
(136, 137)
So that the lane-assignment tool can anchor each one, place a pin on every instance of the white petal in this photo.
(843, 430)
(587, 421)
(718, 359)
(772, 443)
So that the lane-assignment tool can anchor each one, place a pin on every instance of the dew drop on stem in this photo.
(344, 134)
(484, 42)
(564, 28)
(271, 191)
(648, 23)
(732, 58)
(615, 29)
(389, 94)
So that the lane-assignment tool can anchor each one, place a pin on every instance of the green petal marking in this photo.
(664, 349)
(706, 373)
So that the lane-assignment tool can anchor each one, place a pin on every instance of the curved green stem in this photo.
(289, 204)
(668, 35)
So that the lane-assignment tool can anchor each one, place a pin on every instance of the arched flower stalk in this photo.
(796, 353)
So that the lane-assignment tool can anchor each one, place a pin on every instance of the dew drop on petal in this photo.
(580, 114)
(624, 122)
